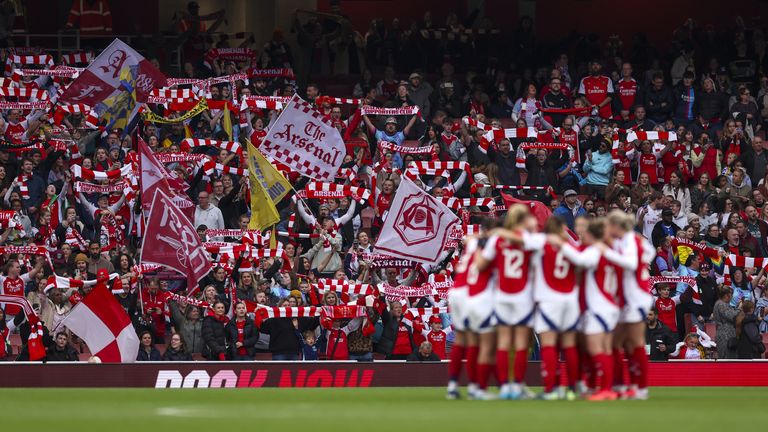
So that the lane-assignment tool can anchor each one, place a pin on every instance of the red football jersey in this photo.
(13, 287)
(596, 89)
(513, 263)
(627, 93)
(557, 276)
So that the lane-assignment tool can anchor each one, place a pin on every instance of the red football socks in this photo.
(502, 366)
(472, 352)
(454, 366)
(521, 364)
(548, 367)
(572, 365)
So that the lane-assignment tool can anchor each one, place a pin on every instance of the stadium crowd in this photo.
(674, 138)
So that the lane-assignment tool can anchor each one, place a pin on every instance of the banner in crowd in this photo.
(114, 83)
(154, 177)
(103, 324)
(172, 241)
(267, 186)
(305, 141)
(417, 225)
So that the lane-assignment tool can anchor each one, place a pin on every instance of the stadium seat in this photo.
(263, 356)
(84, 357)
(198, 357)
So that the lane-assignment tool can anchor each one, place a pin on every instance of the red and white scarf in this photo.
(386, 145)
(232, 54)
(345, 287)
(76, 57)
(264, 102)
(324, 190)
(84, 173)
(23, 182)
(100, 188)
(229, 146)
(402, 111)
(271, 73)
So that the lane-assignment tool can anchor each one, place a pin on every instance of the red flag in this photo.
(538, 209)
(154, 177)
(172, 241)
(105, 327)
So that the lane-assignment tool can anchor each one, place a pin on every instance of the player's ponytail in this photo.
(622, 220)
(516, 215)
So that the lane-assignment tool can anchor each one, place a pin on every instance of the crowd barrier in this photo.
(330, 374)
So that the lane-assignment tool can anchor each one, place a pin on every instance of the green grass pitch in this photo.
(372, 409)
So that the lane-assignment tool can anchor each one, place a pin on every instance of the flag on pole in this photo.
(227, 122)
(105, 327)
(171, 240)
(268, 187)
(154, 177)
(114, 83)
(417, 226)
(305, 141)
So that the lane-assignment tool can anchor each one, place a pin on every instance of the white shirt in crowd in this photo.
(210, 217)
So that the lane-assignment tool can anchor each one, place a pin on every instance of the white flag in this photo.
(417, 226)
(305, 141)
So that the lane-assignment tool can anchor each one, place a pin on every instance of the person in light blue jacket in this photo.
(599, 168)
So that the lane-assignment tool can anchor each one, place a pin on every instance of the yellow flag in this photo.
(227, 123)
(268, 187)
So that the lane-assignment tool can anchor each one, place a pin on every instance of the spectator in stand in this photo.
(628, 93)
(207, 214)
(397, 337)
(755, 159)
(283, 340)
(689, 349)
(598, 89)
(746, 111)
(61, 350)
(658, 100)
(750, 343)
(599, 168)
(505, 160)
(726, 317)
(423, 354)
(658, 337)
(569, 209)
(420, 92)
(177, 349)
(664, 228)
(214, 333)
(147, 350)
(242, 335)
(555, 98)
(684, 97)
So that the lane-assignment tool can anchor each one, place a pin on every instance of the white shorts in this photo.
(604, 322)
(479, 314)
(515, 311)
(634, 313)
(457, 300)
(559, 316)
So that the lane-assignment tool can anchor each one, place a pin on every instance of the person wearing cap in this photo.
(420, 92)
(449, 101)
(570, 208)
(435, 335)
(664, 228)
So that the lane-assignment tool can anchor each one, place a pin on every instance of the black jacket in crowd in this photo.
(176, 355)
(660, 333)
(54, 354)
(389, 334)
(282, 334)
(251, 336)
(653, 99)
(215, 338)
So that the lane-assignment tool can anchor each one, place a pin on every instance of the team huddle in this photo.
(586, 300)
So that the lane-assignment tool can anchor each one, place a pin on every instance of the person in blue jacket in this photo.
(570, 208)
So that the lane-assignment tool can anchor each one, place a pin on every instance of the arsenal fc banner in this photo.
(302, 139)
(173, 241)
(417, 226)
